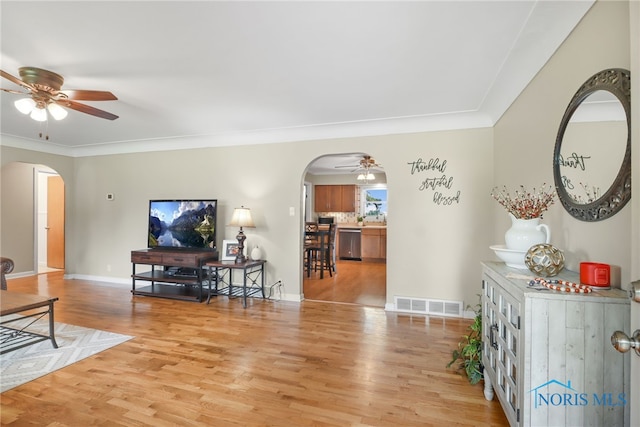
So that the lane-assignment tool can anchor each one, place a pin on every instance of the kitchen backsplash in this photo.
(346, 217)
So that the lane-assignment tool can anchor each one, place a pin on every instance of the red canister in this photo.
(595, 274)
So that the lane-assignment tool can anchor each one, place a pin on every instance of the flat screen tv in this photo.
(189, 224)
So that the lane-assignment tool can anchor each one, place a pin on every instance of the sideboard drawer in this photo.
(146, 258)
(186, 260)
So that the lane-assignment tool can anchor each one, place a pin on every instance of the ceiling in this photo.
(205, 73)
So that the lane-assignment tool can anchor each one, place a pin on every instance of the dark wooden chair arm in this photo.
(7, 267)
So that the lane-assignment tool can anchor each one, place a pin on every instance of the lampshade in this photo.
(242, 218)
(25, 105)
(39, 114)
(56, 111)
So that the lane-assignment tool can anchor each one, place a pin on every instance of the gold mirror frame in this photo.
(618, 82)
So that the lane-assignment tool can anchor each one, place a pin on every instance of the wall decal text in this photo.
(436, 180)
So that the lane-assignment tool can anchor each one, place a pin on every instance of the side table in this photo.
(220, 274)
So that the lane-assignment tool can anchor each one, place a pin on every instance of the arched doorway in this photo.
(360, 278)
(33, 217)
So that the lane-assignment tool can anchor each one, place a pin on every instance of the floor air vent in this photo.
(429, 306)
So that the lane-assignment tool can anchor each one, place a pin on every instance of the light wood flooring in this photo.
(356, 282)
(272, 364)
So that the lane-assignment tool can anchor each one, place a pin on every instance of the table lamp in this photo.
(241, 218)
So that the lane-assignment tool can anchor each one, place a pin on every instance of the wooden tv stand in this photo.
(175, 273)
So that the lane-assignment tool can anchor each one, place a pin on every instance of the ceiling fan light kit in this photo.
(25, 105)
(56, 111)
(37, 110)
(39, 114)
(364, 169)
(44, 88)
(366, 177)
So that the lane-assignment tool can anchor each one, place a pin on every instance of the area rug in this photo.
(74, 344)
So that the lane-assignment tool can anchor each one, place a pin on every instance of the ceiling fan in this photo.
(365, 164)
(45, 94)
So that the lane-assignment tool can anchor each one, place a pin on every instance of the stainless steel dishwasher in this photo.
(349, 243)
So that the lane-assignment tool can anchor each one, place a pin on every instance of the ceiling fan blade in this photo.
(16, 81)
(83, 108)
(89, 95)
(14, 91)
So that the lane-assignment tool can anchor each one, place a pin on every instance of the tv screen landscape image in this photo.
(187, 224)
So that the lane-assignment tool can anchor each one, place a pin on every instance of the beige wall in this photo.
(17, 215)
(525, 137)
(433, 249)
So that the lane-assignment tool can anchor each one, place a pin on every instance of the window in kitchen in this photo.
(373, 203)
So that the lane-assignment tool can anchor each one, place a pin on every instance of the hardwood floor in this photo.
(357, 282)
(272, 364)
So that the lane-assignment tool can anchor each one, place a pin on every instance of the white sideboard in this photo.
(547, 355)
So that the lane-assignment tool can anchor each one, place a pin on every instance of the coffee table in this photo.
(24, 306)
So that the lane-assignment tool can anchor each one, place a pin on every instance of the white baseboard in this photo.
(104, 280)
(289, 298)
(21, 274)
(469, 314)
(118, 282)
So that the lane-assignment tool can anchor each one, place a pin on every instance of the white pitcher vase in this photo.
(525, 233)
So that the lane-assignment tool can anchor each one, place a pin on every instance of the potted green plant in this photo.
(360, 220)
(468, 355)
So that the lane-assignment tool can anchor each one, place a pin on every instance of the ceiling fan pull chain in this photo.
(44, 124)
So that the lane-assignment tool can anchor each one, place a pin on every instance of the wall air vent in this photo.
(429, 306)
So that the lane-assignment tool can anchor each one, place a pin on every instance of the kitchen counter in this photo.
(354, 225)
(363, 242)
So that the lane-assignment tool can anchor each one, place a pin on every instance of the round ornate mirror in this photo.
(592, 155)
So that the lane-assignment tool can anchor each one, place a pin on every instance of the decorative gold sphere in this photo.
(544, 259)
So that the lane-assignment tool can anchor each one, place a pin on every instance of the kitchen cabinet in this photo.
(546, 354)
(374, 244)
(335, 198)
(348, 198)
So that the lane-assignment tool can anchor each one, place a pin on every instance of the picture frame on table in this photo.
(229, 250)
